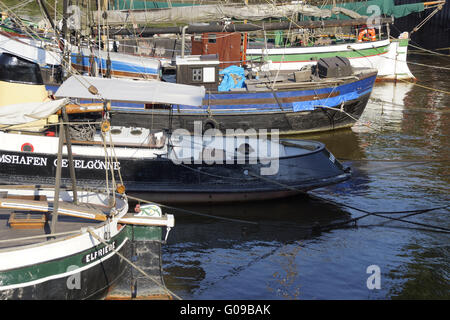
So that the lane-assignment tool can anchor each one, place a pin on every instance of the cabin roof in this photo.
(127, 90)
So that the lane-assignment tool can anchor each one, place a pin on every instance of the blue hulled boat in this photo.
(329, 96)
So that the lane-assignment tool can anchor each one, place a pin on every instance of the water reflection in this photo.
(203, 253)
(386, 106)
(399, 153)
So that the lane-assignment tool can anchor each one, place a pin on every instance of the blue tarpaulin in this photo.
(233, 77)
(327, 102)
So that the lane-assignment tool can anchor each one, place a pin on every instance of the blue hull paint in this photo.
(115, 65)
(347, 92)
(303, 110)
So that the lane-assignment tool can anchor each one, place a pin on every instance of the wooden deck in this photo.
(64, 224)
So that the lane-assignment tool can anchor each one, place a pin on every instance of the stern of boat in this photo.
(394, 66)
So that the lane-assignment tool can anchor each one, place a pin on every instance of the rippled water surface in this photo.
(397, 152)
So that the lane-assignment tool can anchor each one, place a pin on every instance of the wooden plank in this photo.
(28, 222)
(257, 101)
(24, 197)
(85, 108)
(64, 208)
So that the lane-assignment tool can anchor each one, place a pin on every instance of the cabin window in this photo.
(136, 132)
(211, 38)
(197, 75)
(209, 74)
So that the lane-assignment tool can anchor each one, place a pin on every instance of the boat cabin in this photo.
(198, 70)
(227, 45)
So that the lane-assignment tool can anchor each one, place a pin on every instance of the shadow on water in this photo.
(205, 252)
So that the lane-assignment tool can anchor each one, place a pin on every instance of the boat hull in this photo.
(69, 277)
(287, 122)
(291, 111)
(82, 265)
(164, 180)
(387, 56)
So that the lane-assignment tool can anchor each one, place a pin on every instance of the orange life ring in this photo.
(371, 35)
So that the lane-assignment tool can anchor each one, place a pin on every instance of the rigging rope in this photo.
(68, 65)
(416, 63)
(422, 23)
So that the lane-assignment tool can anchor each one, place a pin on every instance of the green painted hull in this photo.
(307, 57)
(88, 274)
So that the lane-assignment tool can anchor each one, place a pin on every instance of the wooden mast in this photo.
(64, 135)
(69, 154)
(58, 177)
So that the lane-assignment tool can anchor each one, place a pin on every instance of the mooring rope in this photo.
(393, 59)
(192, 212)
(316, 227)
(367, 213)
(93, 234)
(429, 51)
(425, 87)
(347, 114)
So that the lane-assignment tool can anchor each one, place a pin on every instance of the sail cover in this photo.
(127, 90)
(27, 112)
(374, 7)
(207, 13)
(257, 12)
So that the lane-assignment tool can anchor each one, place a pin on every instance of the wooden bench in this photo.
(18, 220)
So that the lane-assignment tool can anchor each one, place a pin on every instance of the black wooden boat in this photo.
(330, 96)
(160, 172)
(174, 168)
(333, 95)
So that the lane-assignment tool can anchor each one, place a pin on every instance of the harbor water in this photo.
(399, 152)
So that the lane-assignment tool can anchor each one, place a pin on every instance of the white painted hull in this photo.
(37, 51)
(391, 63)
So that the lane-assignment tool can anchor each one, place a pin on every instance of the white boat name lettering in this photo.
(42, 162)
(91, 164)
(26, 160)
(99, 253)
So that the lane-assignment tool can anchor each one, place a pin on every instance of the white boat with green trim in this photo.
(388, 56)
(60, 242)
(83, 257)
(300, 46)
